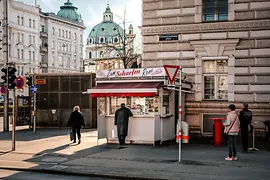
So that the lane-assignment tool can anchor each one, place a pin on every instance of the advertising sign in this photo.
(142, 72)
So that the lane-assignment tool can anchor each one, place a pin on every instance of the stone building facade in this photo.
(223, 47)
(42, 42)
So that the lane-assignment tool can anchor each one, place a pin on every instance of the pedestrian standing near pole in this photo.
(121, 121)
(231, 129)
(245, 118)
(76, 121)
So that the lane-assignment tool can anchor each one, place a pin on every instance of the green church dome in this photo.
(106, 31)
(68, 11)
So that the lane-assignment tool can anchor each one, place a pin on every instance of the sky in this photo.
(92, 11)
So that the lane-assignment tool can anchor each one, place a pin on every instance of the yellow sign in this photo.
(40, 81)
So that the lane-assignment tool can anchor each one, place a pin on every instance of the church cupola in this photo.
(108, 15)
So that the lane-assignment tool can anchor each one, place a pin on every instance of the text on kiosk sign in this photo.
(142, 72)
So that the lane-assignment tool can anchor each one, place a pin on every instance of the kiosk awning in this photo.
(139, 89)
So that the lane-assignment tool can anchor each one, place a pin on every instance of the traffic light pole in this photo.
(5, 46)
(15, 116)
(35, 109)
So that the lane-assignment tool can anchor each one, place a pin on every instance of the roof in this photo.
(68, 11)
(106, 29)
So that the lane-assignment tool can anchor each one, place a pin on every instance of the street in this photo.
(50, 151)
(17, 175)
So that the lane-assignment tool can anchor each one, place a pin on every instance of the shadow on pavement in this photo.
(108, 158)
(41, 133)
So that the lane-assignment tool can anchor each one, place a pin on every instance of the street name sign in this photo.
(40, 81)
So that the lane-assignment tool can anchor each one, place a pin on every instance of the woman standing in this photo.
(76, 121)
(231, 129)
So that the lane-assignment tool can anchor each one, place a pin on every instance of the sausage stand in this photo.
(146, 94)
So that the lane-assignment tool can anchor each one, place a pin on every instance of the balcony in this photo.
(43, 34)
(43, 64)
(44, 48)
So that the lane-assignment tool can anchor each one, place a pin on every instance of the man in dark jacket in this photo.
(245, 118)
(76, 121)
(121, 121)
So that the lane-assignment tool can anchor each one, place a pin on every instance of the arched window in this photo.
(102, 40)
(115, 39)
(101, 54)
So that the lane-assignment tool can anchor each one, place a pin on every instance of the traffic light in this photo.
(11, 77)
(4, 77)
(29, 80)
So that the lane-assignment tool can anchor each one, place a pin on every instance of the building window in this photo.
(69, 35)
(19, 39)
(30, 23)
(66, 34)
(42, 28)
(22, 72)
(59, 33)
(34, 40)
(29, 55)
(53, 31)
(34, 24)
(90, 55)
(33, 56)
(215, 10)
(30, 39)
(22, 37)
(22, 54)
(63, 33)
(34, 70)
(22, 21)
(18, 53)
(215, 80)
(75, 36)
(81, 38)
(18, 20)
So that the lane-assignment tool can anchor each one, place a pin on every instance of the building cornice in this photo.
(25, 10)
(206, 27)
(61, 20)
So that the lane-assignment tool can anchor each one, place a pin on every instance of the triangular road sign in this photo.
(171, 72)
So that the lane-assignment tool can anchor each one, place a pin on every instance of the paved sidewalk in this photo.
(200, 161)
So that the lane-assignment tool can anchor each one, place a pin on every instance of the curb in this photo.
(96, 175)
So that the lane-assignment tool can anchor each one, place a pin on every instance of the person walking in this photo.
(231, 129)
(245, 118)
(121, 121)
(76, 121)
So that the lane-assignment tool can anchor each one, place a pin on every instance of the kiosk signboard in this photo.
(142, 72)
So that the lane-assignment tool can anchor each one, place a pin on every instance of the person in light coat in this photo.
(231, 129)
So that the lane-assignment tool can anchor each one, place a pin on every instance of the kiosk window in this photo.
(101, 106)
(166, 103)
(137, 105)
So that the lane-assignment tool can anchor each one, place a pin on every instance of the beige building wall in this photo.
(243, 41)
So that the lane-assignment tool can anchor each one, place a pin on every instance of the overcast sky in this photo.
(92, 10)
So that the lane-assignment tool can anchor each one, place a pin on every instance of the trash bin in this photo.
(184, 133)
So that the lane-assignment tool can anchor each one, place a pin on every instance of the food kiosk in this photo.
(145, 92)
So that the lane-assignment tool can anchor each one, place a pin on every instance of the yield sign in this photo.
(171, 72)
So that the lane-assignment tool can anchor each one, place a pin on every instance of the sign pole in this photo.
(180, 115)
(35, 119)
(15, 107)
